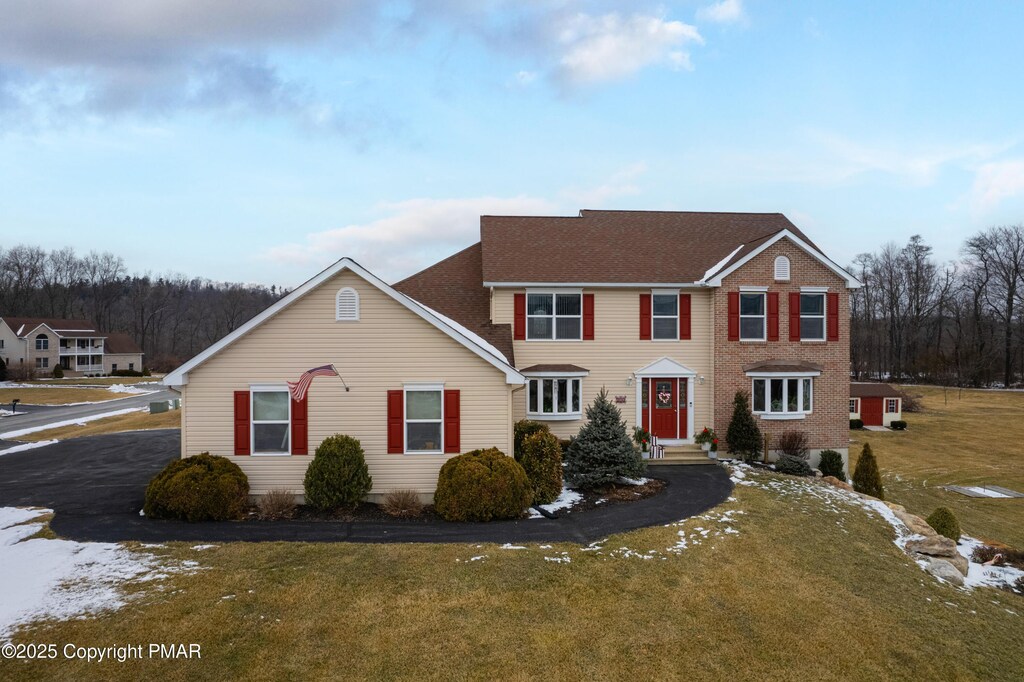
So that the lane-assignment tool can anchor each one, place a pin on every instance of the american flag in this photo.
(298, 388)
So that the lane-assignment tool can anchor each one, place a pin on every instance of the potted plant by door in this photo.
(704, 439)
(713, 452)
(642, 438)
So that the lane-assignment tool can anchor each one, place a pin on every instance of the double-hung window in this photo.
(891, 405)
(423, 419)
(783, 397)
(812, 317)
(853, 406)
(665, 316)
(271, 421)
(752, 316)
(42, 342)
(554, 398)
(554, 316)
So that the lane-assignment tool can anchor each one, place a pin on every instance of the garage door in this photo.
(871, 411)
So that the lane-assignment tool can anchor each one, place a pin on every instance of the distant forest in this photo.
(172, 317)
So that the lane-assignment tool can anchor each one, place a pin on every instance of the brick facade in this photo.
(827, 426)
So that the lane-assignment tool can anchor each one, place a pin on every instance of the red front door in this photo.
(871, 411)
(664, 404)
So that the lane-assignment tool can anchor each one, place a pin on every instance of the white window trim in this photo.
(823, 316)
(337, 300)
(856, 405)
(896, 402)
(763, 291)
(767, 378)
(554, 316)
(813, 290)
(665, 292)
(268, 388)
(424, 388)
(45, 340)
(554, 416)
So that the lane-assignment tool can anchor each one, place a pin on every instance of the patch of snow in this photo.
(633, 481)
(719, 265)
(200, 548)
(981, 490)
(71, 422)
(478, 558)
(26, 446)
(509, 545)
(985, 576)
(565, 501)
(564, 559)
(126, 388)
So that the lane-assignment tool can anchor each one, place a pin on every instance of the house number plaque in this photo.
(620, 400)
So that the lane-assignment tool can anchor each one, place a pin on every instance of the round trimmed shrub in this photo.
(856, 423)
(831, 464)
(522, 429)
(898, 425)
(541, 458)
(480, 486)
(198, 488)
(945, 524)
(866, 478)
(58, 372)
(338, 476)
(794, 466)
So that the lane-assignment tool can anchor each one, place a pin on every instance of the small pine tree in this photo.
(866, 478)
(603, 451)
(743, 435)
(58, 372)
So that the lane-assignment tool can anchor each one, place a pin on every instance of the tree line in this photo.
(957, 324)
(172, 317)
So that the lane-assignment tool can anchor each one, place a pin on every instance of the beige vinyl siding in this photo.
(617, 351)
(388, 347)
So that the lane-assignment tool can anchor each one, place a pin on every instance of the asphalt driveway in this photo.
(96, 487)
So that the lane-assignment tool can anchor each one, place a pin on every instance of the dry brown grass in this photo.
(133, 421)
(57, 396)
(98, 381)
(401, 503)
(961, 438)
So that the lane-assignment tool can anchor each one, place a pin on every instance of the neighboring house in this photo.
(672, 313)
(75, 345)
(875, 404)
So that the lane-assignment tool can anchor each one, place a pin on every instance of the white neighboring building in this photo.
(41, 344)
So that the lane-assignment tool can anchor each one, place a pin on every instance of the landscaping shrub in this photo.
(831, 464)
(602, 452)
(337, 477)
(1013, 557)
(743, 435)
(1018, 585)
(898, 425)
(402, 503)
(794, 466)
(277, 504)
(482, 485)
(866, 478)
(945, 524)
(541, 458)
(793, 443)
(198, 488)
(126, 373)
(58, 372)
(856, 423)
(146, 372)
(564, 443)
(522, 429)
(910, 403)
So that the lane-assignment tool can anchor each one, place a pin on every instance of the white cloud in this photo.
(620, 184)
(724, 12)
(596, 49)
(996, 181)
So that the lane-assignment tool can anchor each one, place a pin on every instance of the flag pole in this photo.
(340, 377)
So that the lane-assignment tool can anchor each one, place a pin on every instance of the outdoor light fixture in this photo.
(629, 381)
(701, 379)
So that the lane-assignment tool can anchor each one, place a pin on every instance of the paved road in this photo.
(40, 415)
(97, 484)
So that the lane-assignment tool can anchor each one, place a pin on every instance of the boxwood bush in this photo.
(541, 458)
(856, 423)
(337, 477)
(482, 485)
(898, 425)
(522, 429)
(831, 464)
(198, 488)
(945, 523)
(794, 466)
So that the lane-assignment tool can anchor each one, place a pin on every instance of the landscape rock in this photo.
(935, 545)
(915, 523)
(943, 570)
(832, 480)
(896, 507)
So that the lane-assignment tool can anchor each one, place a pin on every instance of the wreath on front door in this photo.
(664, 397)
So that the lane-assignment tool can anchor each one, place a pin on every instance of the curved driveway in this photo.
(96, 487)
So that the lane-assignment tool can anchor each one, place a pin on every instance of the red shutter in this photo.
(241, 422)
(396, 415)
(300, 426)
(773, 316)
(588, 317)
(832, 304)
(794, 316)
(451, 422)
(734, 316)
(645, 317)
(519, 317)
(684, 317)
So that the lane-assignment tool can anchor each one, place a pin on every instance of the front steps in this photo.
(683, 454)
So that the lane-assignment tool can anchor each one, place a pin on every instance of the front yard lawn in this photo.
(133, 421)
(57, 395)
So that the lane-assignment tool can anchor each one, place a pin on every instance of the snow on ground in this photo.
(128, 388)
(987, 576)
(633, 481)
(566, 500)
(78, 421)
(26, 446)
(62, 579)
(985, 491)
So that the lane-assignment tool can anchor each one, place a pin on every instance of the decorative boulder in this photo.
(943, 570)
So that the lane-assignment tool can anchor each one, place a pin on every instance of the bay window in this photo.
(271, 421)
(557, 398)
(752, 316)
(812, 317)
(423, 419)
(782, 397)
(554, 316)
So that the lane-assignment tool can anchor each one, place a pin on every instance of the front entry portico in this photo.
(665, 400)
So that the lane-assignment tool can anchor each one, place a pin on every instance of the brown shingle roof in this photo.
(454, 287)
(872, 390)
(121, 343)
(620, 246)
(24, 325)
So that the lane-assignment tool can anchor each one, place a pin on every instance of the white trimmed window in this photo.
(424, 417)
(892, 405)
(752, 316)
(554, 316)
(853, 406)
(42, 363)
(783, 397)
(554, 398)
(271, 420)
(346, 305)
(42, 342)
(782, 269)
(665, 316)
(812, 317)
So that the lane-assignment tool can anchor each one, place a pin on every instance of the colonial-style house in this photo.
(76, 346)
(672, 313)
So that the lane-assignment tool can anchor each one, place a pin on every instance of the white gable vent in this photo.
(782, 269)
(347, 305)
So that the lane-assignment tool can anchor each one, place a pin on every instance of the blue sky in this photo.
(260, 141)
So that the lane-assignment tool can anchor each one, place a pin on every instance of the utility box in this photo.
(158, 407)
